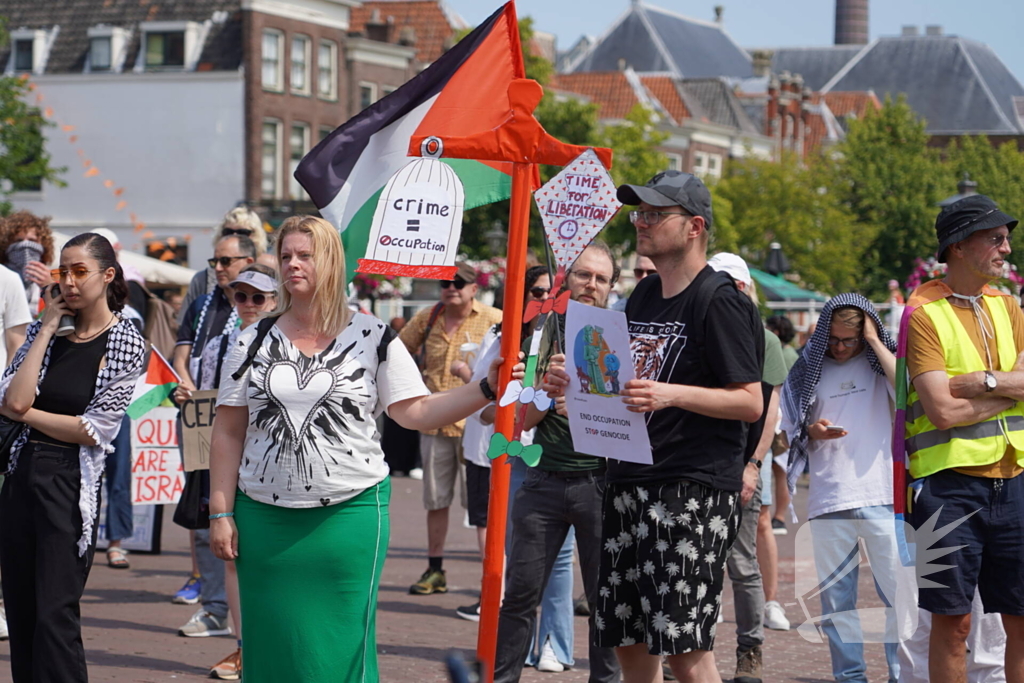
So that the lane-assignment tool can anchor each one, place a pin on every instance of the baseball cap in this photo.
(261, 282)
(107, 234)
(465, 272)
(963, 218)
(669, 188)
(733, 265)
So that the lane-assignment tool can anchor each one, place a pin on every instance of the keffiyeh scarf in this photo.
(802, 383)
(115, 383)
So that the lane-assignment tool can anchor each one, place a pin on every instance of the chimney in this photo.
(933, 30)
(909, 31)
(379, 30)
(719, 10)
(761, 62)
(407, 36)
(851, 22)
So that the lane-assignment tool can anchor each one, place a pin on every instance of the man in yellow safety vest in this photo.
(965, 435)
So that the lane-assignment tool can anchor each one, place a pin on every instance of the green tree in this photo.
(891, 181)
(787, 202)
(24, 161)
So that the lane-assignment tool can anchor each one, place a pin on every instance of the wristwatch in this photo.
(755, 463)
(485, 387)
(990, 381)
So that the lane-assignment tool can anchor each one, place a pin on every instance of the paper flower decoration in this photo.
(501, 446)
(558, 304)
(515, 391)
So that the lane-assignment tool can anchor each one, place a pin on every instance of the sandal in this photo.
(117, 558)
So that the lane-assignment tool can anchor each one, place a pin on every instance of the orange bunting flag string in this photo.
(118, 192)
(67, 129)
(120, 205)
(92, 172)
(108, 183)
(73, 139)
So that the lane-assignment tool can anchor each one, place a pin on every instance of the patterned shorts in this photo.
(663, 565)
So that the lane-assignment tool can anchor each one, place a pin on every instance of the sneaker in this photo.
(748, 665)
(469, 612)
(779, 527)
(229, 668)
(189, 593)
(203, 625)
(775, 617)
(3, 624)
(580, 607)
(432, 581)
(416, 473)
(548, 662)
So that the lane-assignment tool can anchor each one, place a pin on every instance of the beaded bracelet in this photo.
(222, 514)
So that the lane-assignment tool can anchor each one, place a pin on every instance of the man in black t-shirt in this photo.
(563, 491)
(698, 346)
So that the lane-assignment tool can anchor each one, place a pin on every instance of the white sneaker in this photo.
(548, 662)
(775, 616)
(203, 625)
(3, 623)
(416, 473)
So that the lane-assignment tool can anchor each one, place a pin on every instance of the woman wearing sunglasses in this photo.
(69, 393)
(241, 221)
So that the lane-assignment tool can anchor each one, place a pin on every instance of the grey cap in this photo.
(670, 188)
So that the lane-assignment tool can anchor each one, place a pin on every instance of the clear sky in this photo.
(756, 23)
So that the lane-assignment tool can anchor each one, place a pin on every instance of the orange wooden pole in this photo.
(511, 325)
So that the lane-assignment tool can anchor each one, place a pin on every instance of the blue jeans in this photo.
(214, 596)
(836, 548)
(556, 609)
(120, 522)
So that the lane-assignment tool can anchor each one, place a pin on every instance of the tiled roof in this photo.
(654, 40)
(664, 89)
(222, 49)
(856, 103)
(817, 65)
(433, 23)
(610, 90)
(716, 102)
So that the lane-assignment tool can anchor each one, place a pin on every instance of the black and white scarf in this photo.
(115, 383)
(802, 382)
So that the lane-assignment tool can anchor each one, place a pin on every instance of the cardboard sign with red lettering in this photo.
(157, 474)
(575, 205)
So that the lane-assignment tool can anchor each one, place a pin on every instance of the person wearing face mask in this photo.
(440, 331)
(67, 395)
(26, 246)
(254, 295)
(561, 494)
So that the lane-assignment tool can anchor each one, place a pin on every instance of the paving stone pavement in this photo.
(130, 625)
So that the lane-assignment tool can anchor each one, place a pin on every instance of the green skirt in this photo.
(308, 579)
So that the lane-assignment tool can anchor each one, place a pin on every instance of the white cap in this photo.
(261, 282)
(732, 264)
(108, 234)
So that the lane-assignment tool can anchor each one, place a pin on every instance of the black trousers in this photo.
(43, 575)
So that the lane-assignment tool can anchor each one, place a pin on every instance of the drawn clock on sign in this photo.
(568, 229)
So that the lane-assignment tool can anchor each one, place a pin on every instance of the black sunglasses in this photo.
(224, 261)
(538, 292)
(458, 282)
(640, 273)
(258, 299)
(246, 232)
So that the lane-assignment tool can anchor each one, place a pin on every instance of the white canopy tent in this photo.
(154, 271)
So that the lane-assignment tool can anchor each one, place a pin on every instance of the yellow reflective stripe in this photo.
(982, 430)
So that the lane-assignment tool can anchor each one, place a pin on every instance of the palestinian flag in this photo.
(463, 93)
(154, 387)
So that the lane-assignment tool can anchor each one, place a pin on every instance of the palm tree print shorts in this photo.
(663, 565)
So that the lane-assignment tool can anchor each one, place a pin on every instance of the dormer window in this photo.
(169, 45)
(106, 48)
(165, 49)
(23, 51)
(99, 54)
(30, 48)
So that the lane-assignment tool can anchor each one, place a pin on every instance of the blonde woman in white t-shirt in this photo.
(299, 487)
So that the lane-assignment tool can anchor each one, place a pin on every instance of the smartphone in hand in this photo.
(835, 428)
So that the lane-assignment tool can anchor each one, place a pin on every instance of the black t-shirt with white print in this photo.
(668, 346)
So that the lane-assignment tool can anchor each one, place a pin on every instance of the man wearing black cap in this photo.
(965, 435)
(698, 344)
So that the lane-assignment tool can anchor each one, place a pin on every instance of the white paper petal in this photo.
(511, 395)
(541, 400)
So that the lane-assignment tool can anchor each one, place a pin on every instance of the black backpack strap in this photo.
(386, 337)
(421, 354)
(262, 329)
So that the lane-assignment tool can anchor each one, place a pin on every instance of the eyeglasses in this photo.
(997, 240)
(245, 232)
(224, 261)
(538, 292)
(849, 342)
(651, 217)
(583, 277)
(640, 273)
(258, 299)
(458, 283)
(77, 273)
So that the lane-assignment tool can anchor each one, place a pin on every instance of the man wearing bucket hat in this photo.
(698, 344)
(965, 435)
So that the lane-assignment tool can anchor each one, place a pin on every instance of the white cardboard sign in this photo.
(575, 205)
(599, 363)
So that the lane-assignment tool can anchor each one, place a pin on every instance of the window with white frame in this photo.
(270, 165)
(272, 57)
(367, 94)
(300, 64)
(324, 132)
(165, 49)
(100, 57)
(387, 90)
(675, 161)
(29, 49)
(24, 51)
(705, 164)
(326, 70)
(106, 48)
(298, 146)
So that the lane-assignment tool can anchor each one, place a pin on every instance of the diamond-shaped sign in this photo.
(575, 205)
